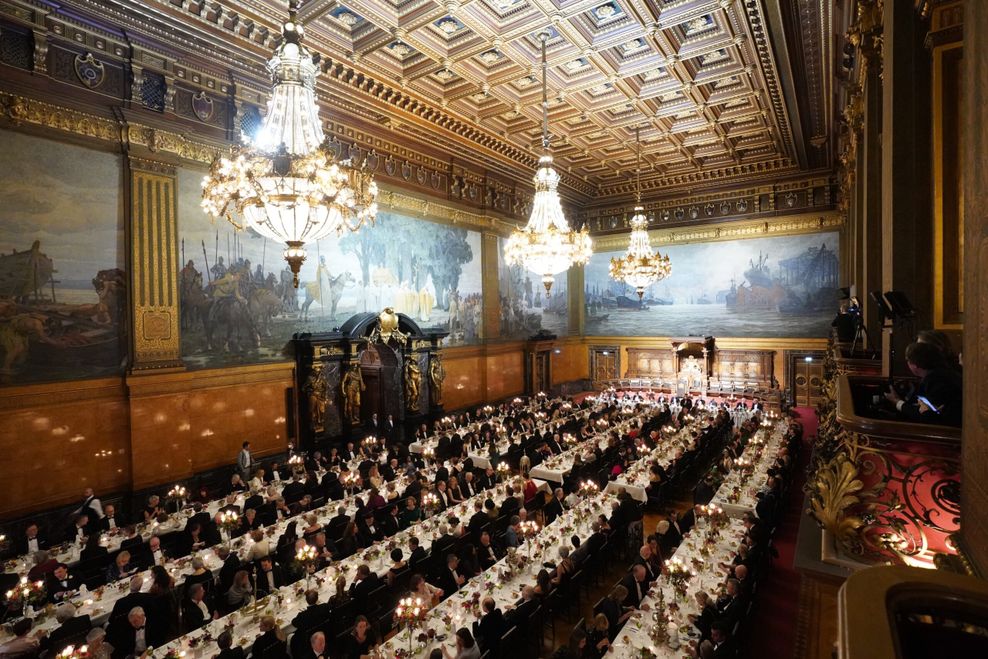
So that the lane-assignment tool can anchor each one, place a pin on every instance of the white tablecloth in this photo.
(737, 493)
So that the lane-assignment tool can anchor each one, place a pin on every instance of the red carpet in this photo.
(773, 623)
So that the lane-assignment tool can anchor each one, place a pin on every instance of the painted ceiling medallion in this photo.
(449, 26)
(91, 72)
(400, 50)
(490, 57)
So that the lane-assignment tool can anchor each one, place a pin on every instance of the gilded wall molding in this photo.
(776, 226)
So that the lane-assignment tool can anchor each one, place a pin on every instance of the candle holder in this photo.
(370, 444)
(409, 613)
(679, 576)
(26, 593)
(429, 454)
(588, 489)
(350, 481)
(177, 496)
(430, 504)
(74, 652)
(528, 530)
(503, 471)
(306, 558)
(229, 522)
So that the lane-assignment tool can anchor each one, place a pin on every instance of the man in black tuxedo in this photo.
(720, 638)
(390, 430)
(510, 505)
(227, 651)
(490, 628)
(60, 584)
(153, 553)
(731, 606)
(477, 520)
(132, 542)
(128, 636)
(418, 553)
(270, 576)
(135, 598)
(635, 582)
(389, 470)
(231, 564)
(468, 484)
(388, 523)
(293, 491)
(688, 520)
(488, 479)
(444, 448)
(110, 520)
(367, 530)
(361, 589)
(70, 628)
(442, 493)
(313, 616)
(591, 546)
(450, 580)
(487, 553)
(32, 541)
(196, 611)
(337, 524)
(269, 643)
(644, 559)
(373, 427)
(554, 508)
(520, 613)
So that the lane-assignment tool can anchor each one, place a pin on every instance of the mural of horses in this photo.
(241, 332)
(264, 305)
(333, 290)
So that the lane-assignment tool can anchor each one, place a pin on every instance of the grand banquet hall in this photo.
(493, 329)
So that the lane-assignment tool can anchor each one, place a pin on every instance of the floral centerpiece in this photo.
(26, 593)
(229, 521)
(430, 504)
(305, 559)
(409, 612)
(528, 530)
(350, 480)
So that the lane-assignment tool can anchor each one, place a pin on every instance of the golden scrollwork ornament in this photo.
(387, 328)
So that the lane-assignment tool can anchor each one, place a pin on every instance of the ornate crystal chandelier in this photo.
(286, 185)
(547, 245)
(640, 267)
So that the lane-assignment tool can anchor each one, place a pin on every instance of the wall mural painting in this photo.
(62, 284)
(781, 286)
(238, 304)
(525, 309)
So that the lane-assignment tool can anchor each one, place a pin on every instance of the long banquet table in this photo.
(738, 492)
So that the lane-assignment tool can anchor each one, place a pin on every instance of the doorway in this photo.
(382, 381)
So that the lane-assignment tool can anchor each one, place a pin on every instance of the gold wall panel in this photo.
(464, 381)
(56, 439)
(184, 423)
(154, 264)
(505, 374)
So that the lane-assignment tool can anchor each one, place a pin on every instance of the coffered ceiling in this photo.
(723, 90)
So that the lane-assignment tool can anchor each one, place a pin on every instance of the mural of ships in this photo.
(40, 330)
(803, 284)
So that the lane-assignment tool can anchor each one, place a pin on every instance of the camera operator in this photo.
(846, 322)
(939, 396)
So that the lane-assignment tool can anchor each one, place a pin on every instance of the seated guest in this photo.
(466, 646)
(227, 651)
(637, 584)
(154, 554)
(316, 648)
(349, 543)
(450, 579)
(60, 584)
(240, 592)
(366, 583)
(24, 644)
(237, 485)
(341, 596)
(271, 642)
(511, 538)
(32, 541)
(668, 540)
(153, 508)
(231, 565)
(313, 615)
(192, 540)
(429, 594)
(398, 566)
(132, 541)
(121, 568)
(260, 546)
(79, 530)
(360, 642)
(487, 553)
(491, 627)
(615, 609)
(518, 615)
(645, 560)
(417, 552)
(128, 636)
(93, 551)
(270, 577)
(708, 612)
(939, 396)
(720, 638)
(598, 636)
(97, 645)
(195, 609)
(44, 565)
(730, 606)
(70, 626)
